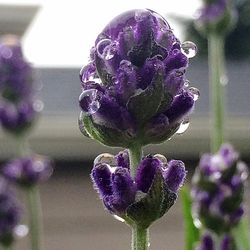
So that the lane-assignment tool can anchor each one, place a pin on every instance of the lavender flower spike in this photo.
(218, 187)
(28, 171)
(142, 199)
(216, 16)
(18, 107)
(10, 212)
(134, 88)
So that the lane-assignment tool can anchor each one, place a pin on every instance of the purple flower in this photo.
(134, 87)
(218, 187)
(28, 171)
(216, 16)
(10, 212)
(208, 242)
(18, 109)
(156, 181)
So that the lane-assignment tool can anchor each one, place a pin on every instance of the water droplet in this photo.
(195, 92)
(183, 127)
(6, 52)
(223, 80)
(186, 83)
(105, 158)
(161, 158)
(197, 223)
(140, 15)
(21, 231)
(189, 49)
(82, 126)
(88, 101)
(126, 65)
(106, 49)
(38, 105)
(118, 218)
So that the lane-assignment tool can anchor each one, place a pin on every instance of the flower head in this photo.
(28, 171)
(153, 190)
(10, 212)
(134, 87)
(218, 187)
(216, 16)
(18, 109)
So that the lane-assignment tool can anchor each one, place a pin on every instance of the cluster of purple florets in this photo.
(134, 87)
(218, 188)
(18, 108)
(119, 190)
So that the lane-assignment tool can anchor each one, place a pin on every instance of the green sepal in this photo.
(108, 136)
(159, 137)
(145, 105)
(153, 206)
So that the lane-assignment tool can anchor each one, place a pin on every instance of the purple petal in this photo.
(146, 173)
(175, 175)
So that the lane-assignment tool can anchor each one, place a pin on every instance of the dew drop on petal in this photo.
(118, 218)
(186, 83)
(38, 105)
(106, 49)
(189, 49)
(105, 158)
(88, 101)
(21, 231)
(161, 158)
(195, 92)
(183, 127)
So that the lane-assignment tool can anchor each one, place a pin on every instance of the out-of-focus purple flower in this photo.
(134, 87)
(10, 213)
(208, 242)
(216, 16)
(18, 108)
(28, 171)
(218, 188)
(156, 184)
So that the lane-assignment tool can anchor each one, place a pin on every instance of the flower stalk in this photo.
(34, 208)
(135, 156)
(140, 238)
(217, 80)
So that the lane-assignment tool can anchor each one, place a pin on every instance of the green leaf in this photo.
(153, 206)
(192, 234)
(241, 235)
(145, 104)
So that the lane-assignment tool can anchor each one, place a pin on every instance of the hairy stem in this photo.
(217, 80)
(135, 155)
(140, 238)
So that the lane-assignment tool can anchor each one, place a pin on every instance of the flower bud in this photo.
(133, 87)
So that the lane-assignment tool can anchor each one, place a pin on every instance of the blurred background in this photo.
(57, 37)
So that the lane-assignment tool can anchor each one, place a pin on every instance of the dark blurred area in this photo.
(237, 44)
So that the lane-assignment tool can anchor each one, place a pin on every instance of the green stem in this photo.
(23, 148)
(140, 238)
(216, 82)
(33, 200)
(135, 155)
